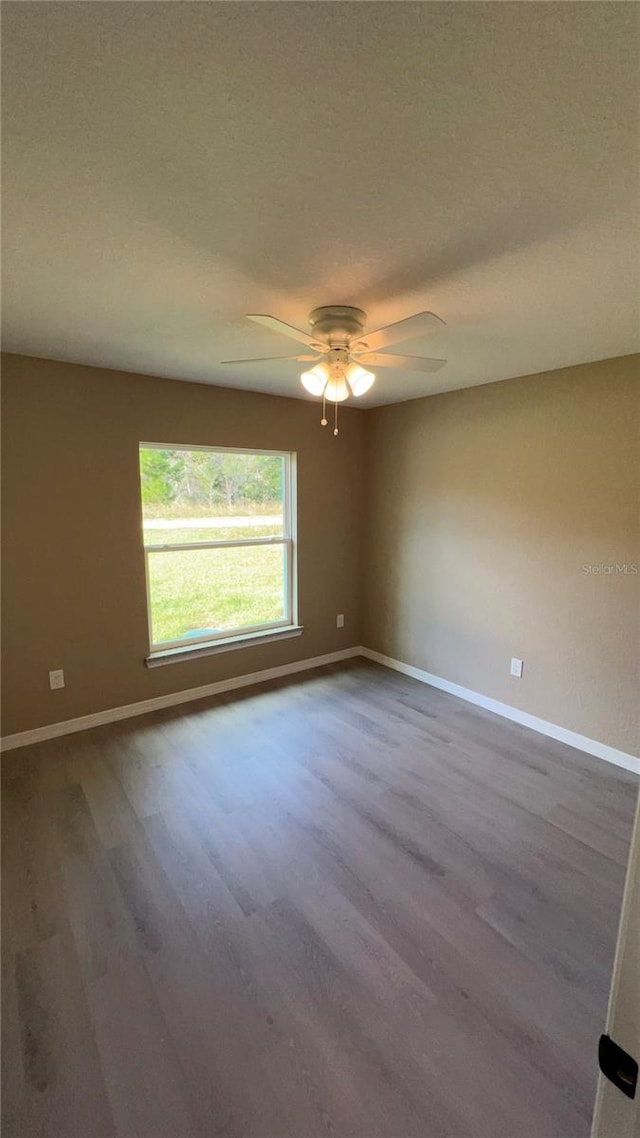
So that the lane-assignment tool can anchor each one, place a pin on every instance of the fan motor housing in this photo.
(337, 323)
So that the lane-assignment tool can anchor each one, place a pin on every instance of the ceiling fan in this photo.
(341, 349)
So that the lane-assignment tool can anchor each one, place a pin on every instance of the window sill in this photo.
(209, 648)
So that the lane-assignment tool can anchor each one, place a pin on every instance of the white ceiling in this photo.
(169, 167)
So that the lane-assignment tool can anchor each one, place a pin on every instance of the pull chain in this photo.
(323, 421)
(335, 429)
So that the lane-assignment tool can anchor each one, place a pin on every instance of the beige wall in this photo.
(484, 504)
(73, 570)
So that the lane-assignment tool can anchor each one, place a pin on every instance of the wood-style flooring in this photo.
(347, 905)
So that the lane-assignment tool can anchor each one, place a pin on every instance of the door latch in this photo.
(616, 1065)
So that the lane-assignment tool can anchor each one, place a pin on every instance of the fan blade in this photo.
(268, 359)
(407, 363)
(286, 329)
(409, 329)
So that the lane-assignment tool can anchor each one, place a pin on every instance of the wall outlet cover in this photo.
(516, 667)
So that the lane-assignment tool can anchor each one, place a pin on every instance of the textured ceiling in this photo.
(169, 167)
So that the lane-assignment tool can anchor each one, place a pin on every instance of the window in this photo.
(219, 544)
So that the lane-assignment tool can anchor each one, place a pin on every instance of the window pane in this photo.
(200, 592)
(208, 495)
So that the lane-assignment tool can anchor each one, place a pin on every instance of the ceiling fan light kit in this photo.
(337, 336)
(338, 377)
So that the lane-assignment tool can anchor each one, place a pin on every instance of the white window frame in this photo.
(233, 637)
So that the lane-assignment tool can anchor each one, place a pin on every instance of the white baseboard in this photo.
(562, 734)
(129, 710)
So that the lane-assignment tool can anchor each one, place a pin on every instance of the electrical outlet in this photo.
(516, 667)
(340, 620)
(56, 679)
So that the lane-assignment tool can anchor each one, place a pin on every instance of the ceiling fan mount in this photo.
(337, 324)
